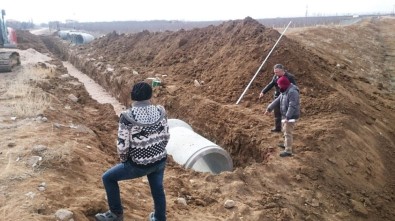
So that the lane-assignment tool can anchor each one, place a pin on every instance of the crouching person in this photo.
(143, 134)
(289, 104)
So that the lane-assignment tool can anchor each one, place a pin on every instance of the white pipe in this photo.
(178, 123)
(84, 38)
(76, 37)
(249, 84)
(81, 38)
(194, 151)
(63, 34)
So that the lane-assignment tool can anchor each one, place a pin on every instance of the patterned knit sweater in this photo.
(143, 134)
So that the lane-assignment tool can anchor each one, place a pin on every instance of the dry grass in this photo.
(58, 157)
(33, 104)
(27, 99)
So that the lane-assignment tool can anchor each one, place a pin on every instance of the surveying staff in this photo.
(279, 71)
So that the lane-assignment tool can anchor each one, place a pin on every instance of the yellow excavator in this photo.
(8, 57)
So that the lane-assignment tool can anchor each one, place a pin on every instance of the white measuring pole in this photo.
(249, 84)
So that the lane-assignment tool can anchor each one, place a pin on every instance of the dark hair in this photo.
(141, 91)
(279, 66)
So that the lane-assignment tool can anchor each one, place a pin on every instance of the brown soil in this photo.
(344, 142)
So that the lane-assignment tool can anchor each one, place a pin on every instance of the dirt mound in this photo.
(344, 141)
(27, 40)
(199, 54)
(222, 59)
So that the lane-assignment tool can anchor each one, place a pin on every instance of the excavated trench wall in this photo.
(94, 69)
(244, 147)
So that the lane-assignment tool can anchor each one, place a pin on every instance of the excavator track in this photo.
(8, 60)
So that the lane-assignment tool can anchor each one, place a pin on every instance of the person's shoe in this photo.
(108, 216)
(285, 154)
(151, 217)
(281, 145)
(275, 130)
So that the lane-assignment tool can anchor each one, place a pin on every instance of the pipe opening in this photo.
(194, 151)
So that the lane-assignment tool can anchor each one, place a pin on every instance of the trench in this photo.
(187, 147)
(96, 91)
(242, 146)
(198, 153)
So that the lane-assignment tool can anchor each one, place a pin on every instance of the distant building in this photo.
(69, 21)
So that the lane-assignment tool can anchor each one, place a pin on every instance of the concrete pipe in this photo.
(83, 38)
(194, 151)
(178, 123)
(64, 34)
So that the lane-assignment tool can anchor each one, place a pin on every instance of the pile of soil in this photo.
(342, 168)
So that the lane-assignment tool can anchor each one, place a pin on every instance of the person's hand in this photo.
(260, 95)
(266, 112)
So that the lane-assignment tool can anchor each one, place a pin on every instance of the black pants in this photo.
(277, 117)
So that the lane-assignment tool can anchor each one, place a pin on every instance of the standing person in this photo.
(143, 134)
(289, 105)
(279, 71)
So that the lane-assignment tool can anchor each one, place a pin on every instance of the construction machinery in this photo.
(8, 57)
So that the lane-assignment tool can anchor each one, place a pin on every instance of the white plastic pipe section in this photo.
(194, 151)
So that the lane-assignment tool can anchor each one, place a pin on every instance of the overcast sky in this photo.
(187, 10)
